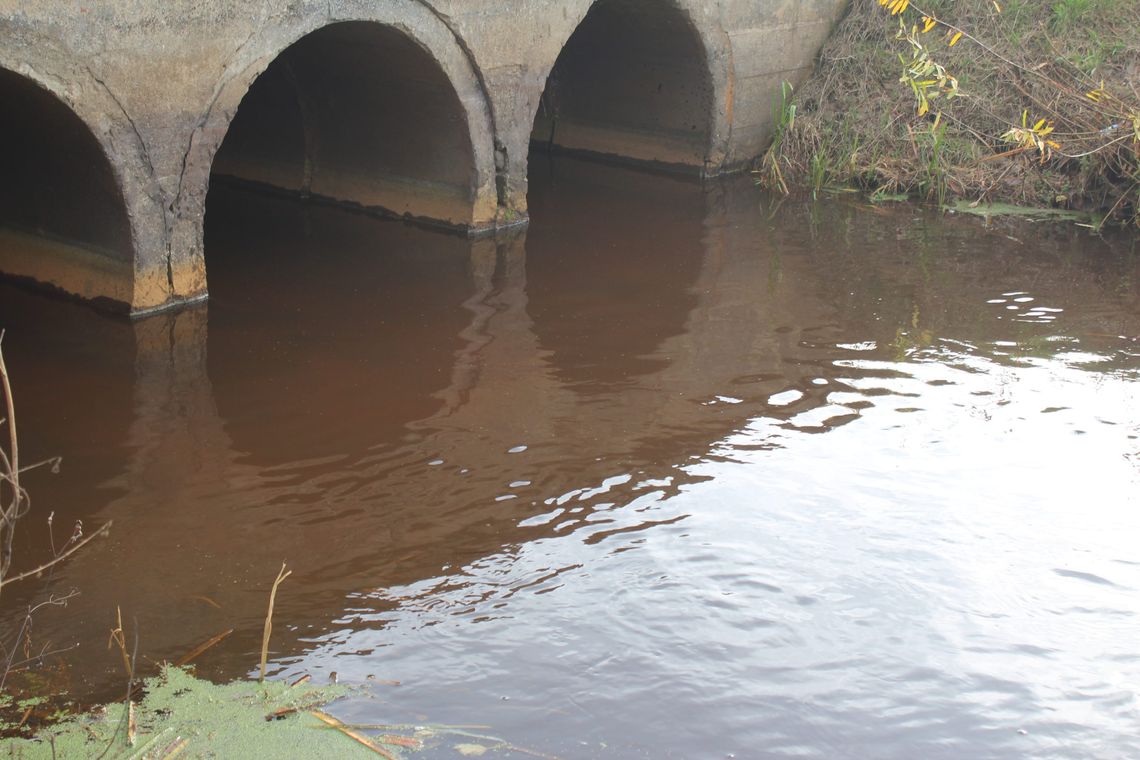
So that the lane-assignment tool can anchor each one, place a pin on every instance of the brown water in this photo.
(679, 473)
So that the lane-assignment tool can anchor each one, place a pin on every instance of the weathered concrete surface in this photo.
(419, 108)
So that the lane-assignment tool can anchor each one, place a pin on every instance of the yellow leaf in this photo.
(996, 6)
(923, 108)
(1038, 125)
(927, 24)
(954, 40)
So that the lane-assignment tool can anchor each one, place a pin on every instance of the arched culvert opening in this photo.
(631, 83)
(357, 113)
(63, 222)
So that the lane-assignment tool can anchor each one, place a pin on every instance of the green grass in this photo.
(1068, 13)
(856, 125)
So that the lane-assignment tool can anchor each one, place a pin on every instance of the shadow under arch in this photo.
(640, 81)
(358, 112)
(63, 217)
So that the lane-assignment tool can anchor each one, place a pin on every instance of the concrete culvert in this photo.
(631, 83)
(356, 112)
(63, 222)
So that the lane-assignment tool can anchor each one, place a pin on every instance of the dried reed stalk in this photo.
(282, 574)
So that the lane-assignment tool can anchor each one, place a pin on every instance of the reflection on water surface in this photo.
(677, 473)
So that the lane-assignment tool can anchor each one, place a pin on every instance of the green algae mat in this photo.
(1031, 213)
(183, 717)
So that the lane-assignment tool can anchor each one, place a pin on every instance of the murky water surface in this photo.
(678, 473)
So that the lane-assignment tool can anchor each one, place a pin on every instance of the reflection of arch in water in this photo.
(322, 318)
(63, 219)
(641, 80)
(612, 257)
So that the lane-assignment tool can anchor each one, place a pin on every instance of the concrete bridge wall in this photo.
(119, 113)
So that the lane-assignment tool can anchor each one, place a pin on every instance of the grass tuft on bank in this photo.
(1070, 68)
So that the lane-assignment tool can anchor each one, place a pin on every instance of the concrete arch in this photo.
(646, 81)
(103, 236)
(411, 22)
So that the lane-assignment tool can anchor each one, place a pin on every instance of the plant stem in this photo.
(282, 574)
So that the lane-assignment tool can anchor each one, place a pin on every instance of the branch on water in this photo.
(76, 547)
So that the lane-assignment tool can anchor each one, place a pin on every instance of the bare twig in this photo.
(64, 555)
(282, 574)
(132, 722)
(356, 735)
(60, 601)
(40, 656)
(119, 639)
(173, 749)
(9, 513)
(193, 654)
